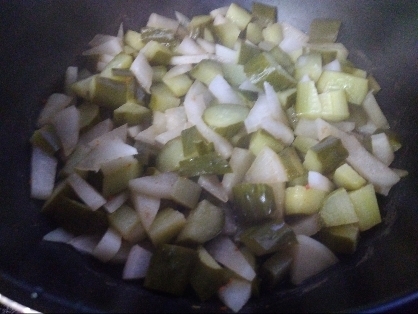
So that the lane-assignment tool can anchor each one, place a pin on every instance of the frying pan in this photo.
(40, 39)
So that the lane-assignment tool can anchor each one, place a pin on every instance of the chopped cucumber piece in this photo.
(185, 192)
(179, 84)
(340, 239)
(163, 36)
(206, 70)
(131, 113)
(166, 226)
(302, 200)
(169, 157)
(338, 209)
(120, 61)
(194, 144)
(269, 237)
(127, 222)
(308, 105)
(262, 138)
(162, 98)
(264, 68)
(254, 201)
(309, 64)
(345, 176)
(170, 269)
(355, 87)
(134, 39)
(210, 163)
(366, 207)
(207, 276)
(303, 143)
(324, 30)
(156, 53)
(203, 223)
(275, 268)
(117, 174)
(227, 33)
(254, 33)
(273, 33)
(263, 13)
(292, 162)
(334, 105)
(238, 15)
(226, 119)
(325, 156)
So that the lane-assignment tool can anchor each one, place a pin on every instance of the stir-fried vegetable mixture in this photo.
(225, 152)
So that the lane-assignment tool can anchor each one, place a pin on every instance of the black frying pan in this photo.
(39, 39)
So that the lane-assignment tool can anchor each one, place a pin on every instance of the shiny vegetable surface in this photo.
(199, 139)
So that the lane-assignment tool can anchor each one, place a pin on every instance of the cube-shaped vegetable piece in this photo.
(345, 176)
(326, 156)
(254, 201)
(131, 113)
(264, 68)
(340, 239)
(337, 209)
(202, 224)
(170, 268)
(117, 173)
(301, 200)
(127, 222)
(268, 237)
(366, 207)
(208, 276)
(166, 226)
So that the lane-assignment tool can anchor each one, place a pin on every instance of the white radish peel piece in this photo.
(58, 235)
(310, 257)
(225, 252)
(86, 192)
(136, 265)
(43, 171)
(235, 294)
(108, 246)
(67, 124)
(105, 151)
(55, 103)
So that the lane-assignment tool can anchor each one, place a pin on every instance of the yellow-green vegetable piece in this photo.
(162, 98)
(268, 237)
(225, 119)
(340, 239)
(355, 87)
(127, 222)
(202, 224)
(334, 105)
(307, 103)
(345, 176)
(302, 200)
(117, 173)
(338, 209)
(325, 156)
(131, 113)
(207, 276)
(262, 138)
(170, 269)
(264, 68)
(264, 13)
(166, 226)
(366, 207)
(254, 201)
(169, 157)
(324, 30)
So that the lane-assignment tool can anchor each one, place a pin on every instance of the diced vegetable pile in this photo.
(225, 152)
